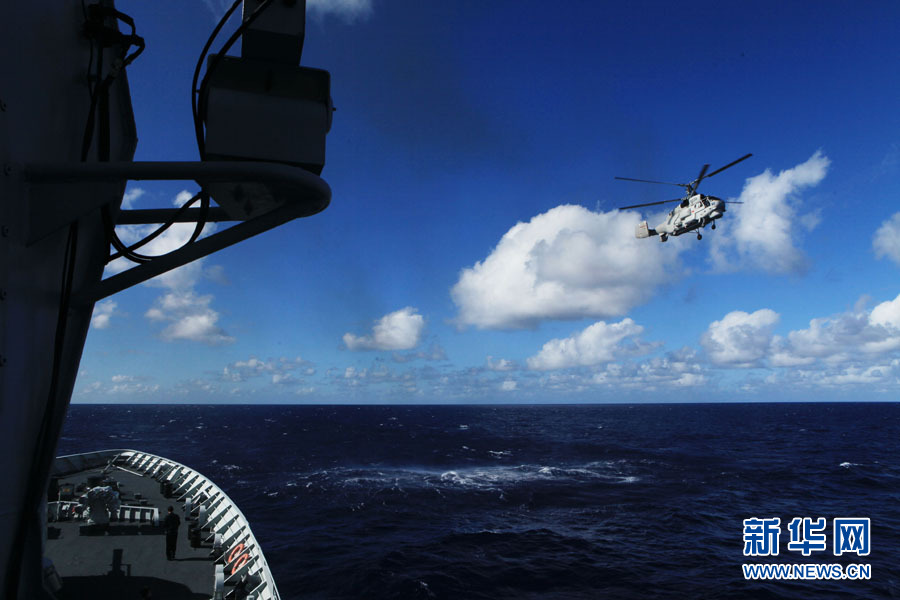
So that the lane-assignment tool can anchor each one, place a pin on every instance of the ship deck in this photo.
(121, 560)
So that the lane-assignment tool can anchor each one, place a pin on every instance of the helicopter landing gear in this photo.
(663, 237)
(699, 237)
(713, 226)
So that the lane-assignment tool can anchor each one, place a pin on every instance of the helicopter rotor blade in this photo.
(649, 181)
(696, 183)
(650, 204)
(731, 164)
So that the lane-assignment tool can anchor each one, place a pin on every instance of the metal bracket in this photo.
(299, 194)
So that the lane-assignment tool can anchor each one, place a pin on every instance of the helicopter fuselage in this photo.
(692, 213)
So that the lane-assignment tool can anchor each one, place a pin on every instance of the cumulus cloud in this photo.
(171, 239)
(103, 312)
(848, 341)
(762, 231)
(281, 370)
(567, 263)
(189, 317)
(886, 242)
(845, 337)
(130, 197)
(399, 330)
(880, 377)
(679, 369)
(597, 344)
(740, 339)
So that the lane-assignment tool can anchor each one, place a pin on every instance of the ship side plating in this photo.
(52, 246)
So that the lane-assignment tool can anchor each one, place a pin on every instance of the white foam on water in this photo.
(495, 478)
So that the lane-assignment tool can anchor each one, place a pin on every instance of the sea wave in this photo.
(489, 477)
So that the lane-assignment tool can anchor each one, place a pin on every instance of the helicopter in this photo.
(694, 211)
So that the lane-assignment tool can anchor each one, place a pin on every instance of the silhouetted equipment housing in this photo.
(264, 106)
(262, 110)
(277, 34)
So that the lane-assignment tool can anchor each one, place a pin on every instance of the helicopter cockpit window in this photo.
(684, 204)
(705, 201)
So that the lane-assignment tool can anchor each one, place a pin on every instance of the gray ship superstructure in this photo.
(67, 142)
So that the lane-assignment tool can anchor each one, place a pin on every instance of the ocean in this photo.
(575, 501)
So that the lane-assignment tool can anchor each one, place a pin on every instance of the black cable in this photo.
(199, 116)
(100, 103)
(130, 253)
(198, 127)
(106, 36)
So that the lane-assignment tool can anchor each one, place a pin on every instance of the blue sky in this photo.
(473, 251)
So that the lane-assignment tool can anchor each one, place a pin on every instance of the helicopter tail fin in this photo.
(643, 231)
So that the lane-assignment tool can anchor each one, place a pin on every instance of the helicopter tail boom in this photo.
(643, 231)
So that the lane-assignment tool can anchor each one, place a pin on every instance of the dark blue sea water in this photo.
(603, 501)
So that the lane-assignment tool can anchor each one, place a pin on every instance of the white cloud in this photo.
(127, 385)
(349, 10)
(886, 242)
(171, 239)
(659, 375)
(353, 373)
(103, 312)
(679, 369)
(190, 318)
(130, 197)
(399, 330)
(853, 376)
(880, 377)
(762, 233)
(567, 263)
(597, 344)
(189, 315)
(501, 364)
(509, 385)
(281, 370)
(284, 379)
(846, 337)
(740, 339)
(839, 348)
(245, 369)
